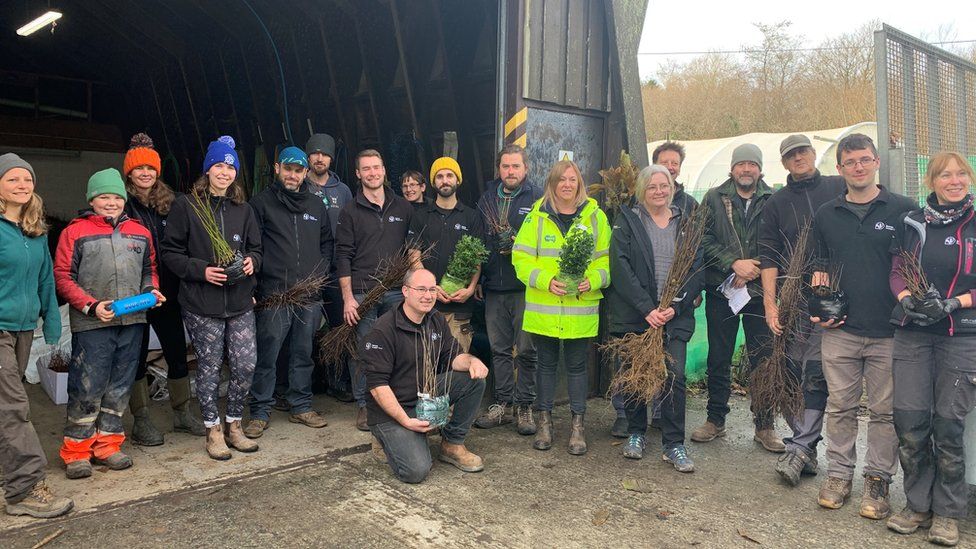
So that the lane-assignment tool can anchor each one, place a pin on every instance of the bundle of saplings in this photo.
(618, 185)
(575, 257)
(469, 254)
(433, 401)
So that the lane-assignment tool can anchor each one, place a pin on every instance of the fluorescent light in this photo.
(39, 23)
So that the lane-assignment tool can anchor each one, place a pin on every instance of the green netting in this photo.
(696, 362)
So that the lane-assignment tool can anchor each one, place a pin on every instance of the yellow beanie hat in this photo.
(445, 163)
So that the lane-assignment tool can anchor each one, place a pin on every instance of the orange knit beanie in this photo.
(141, 153)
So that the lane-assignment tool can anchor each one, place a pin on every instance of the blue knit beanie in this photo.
(221, 150)
(293, 155)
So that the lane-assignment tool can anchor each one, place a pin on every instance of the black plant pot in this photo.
(931, 305)
(827, 305)
(235, 270)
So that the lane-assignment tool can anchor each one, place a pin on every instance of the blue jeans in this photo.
(575, 353)
(407, 451)
(391, 300)
(274, 327)
(102, 371)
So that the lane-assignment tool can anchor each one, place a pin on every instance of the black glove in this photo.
(908, 304)
(935, 309)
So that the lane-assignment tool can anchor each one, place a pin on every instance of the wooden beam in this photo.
(407, 83)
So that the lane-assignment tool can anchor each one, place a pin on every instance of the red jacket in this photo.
(97, 261)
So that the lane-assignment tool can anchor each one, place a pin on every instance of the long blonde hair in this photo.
(557, 171)
(32, 221)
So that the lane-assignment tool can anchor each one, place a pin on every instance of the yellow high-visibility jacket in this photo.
(535, 257)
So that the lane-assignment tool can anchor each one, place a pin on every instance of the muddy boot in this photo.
(874, 501)
(543, 434)
(184, 421)
(577, 438)
(144, 433)
(524, 422)
(769, 440)
(834, 493)
(216, 446)
(236, 439)
(908, 521)
(944, 531)
(361, 420)
(459, 456)
(708, 432)
(116, 462)
(40, 502)
(497, 414)
(791, 465)
(78, 469)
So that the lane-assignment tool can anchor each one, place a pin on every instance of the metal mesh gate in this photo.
(926, 103)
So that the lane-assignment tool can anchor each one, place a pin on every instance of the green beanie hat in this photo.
(107, 181)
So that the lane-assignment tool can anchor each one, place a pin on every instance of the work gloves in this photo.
(930, 310)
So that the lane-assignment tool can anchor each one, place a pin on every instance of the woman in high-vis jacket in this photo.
(555, 319)
(935, 340)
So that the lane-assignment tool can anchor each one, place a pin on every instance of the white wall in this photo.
(62, 176)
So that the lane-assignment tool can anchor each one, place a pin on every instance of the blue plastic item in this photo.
(134, 303)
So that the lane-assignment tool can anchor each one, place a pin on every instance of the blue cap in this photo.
(293, 155)
(221, 150)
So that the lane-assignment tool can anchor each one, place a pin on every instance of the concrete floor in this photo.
(314, 488)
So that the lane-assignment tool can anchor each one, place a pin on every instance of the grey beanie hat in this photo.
(321, 143)
(746, 152)
(10, 161)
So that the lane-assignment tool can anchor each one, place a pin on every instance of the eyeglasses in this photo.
(410, 186)
(851, 163)
(422, 290)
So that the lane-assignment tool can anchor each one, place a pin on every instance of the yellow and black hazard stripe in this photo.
(515, 128)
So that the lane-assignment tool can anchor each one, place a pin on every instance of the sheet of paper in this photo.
(738, 297)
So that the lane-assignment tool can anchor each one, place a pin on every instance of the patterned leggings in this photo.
(210, 337)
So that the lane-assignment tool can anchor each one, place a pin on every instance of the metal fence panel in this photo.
(926, 103)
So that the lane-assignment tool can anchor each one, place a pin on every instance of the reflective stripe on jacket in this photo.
(535, 257)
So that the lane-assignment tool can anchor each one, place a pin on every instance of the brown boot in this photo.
(40, 502)
(543, 434)
(376, 449)
(944, 531)
(908, 521)
(769, 440)
(874, 501)
(459, 456)
(834, 493)
(708, 432)
(255, 428)
(577, 438)
(311, 419)
(361, 423)
(235, 438)
(216, 447)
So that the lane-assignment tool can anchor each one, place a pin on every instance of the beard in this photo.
(447, 191)
(745, 183)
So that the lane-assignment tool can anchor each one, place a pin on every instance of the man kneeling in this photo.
(392, 356)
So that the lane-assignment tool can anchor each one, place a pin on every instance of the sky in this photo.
(694, 25)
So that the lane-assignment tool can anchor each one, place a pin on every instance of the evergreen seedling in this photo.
(469, 254)
(575, 257)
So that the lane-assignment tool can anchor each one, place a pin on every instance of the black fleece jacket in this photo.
(296, 237)
(497, 274)
(187, 251)
(788, 210)
(367, 234)
(633, 291)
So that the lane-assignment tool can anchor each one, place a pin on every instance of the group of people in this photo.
(212, 261)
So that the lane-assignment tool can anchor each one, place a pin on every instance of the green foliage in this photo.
(577, 251)
(222, 253)
(468, 255)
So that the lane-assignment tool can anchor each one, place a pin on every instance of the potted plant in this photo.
(433, 401)
(232, 262)
(468, 255)
(575, 257)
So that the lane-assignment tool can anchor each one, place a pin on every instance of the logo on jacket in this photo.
(882, 226)
(524, 211)
(373, 346)
(950, 241)
(435, 336)
(394, 219)
(133, 247)
(549, 238)
(236, 237)
(164, 223)
(460, 227)
(309, 217)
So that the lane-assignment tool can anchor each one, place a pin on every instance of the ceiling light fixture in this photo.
(39, 23)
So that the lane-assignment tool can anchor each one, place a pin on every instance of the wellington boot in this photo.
(577, 437)
(144, 433)
(234, 435)
(543, 434)
(184, 420)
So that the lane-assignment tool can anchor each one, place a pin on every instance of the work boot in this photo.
(708, 432)
(678, 457)
(810, 467)
(908, 521)
(281, 403)
(361, 422)
(524, 422)
(944, 531)
(620, 428)
(634, 449)
(78, 469)
(497, 414)
(184, 421)
(376, 449)
(144, 433)
(459, 456)
(216, 445)
(40, 502)
(769, 440)
(791, 465)
(874, 500)
(235, 438)
(255, 428)
(577, 437)
(311, 419)
(834, 493)
(543, 434)
(116, 462)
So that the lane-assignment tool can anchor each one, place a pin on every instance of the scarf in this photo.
(945, 214)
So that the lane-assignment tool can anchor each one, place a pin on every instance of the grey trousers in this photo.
(850, 363)
(512, 349)
(935, 388)
(804, 363)
(21, 456)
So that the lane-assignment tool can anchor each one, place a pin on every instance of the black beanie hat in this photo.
(320, 143)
